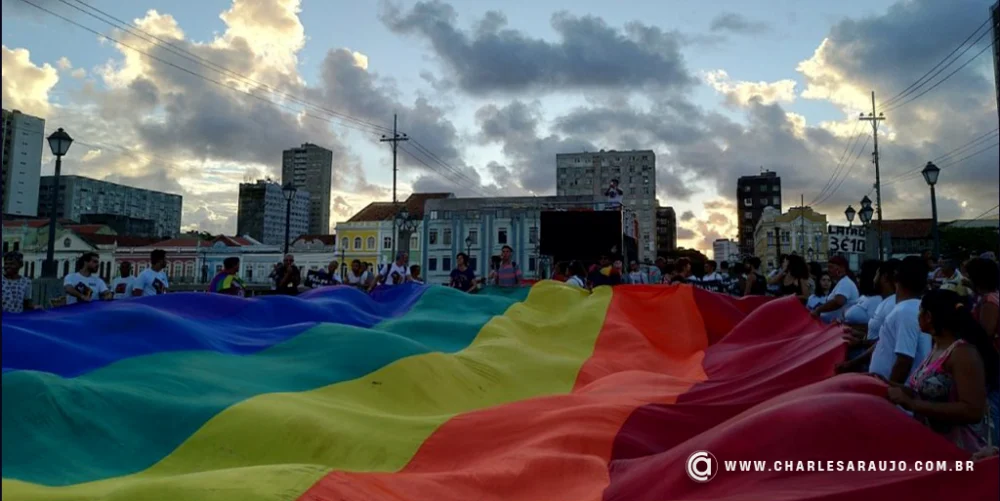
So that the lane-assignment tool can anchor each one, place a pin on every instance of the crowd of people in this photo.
(928, 328)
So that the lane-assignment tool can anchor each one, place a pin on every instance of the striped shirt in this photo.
(509, 275)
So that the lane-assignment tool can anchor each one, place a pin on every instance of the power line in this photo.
(194, 73)
(438, 171)
(981, 216)
(943, 80)
(914, 86)
(357, 124)
(961, 149)
(204, 62)
(847, 174)
(979, 139)
(454, 170)
(916, 173)
(843, 155)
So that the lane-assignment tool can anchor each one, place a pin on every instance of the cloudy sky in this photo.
(194, 97)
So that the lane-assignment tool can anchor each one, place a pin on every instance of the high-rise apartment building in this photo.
(725, 250)
(23, 138)
(262, 212)
(591, 173)
(753, 194)
(80, 195)
(666, 229)
(310, 168)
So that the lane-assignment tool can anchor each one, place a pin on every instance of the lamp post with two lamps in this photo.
(931, 173)
(289, 192)
(404, 226)
(59, 143)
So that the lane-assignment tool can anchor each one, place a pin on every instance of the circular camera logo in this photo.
(702, 466)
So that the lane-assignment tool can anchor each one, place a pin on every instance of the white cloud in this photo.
(26, 86)
(740, 93)
(64, 63)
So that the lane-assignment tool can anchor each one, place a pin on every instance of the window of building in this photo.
(474, 237)
(775, 188)
(446, 264)
(763, 201)
(414, 243)
(746, 189)
(770, 237)
(786, 237)
(776, 201)
(748, 215)
(763, 188)
(531, 264)
(472, 263)
(533, 235)
(631, 191)
(344, 242)
(434, 215)
(748, 229)
(387, 242)
(432, 237)
(371, 243)
(432, 264)
(748, 202)
(502, 236)
(446, 240)
(357, 243)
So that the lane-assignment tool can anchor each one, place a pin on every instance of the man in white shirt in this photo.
(861, 341)
(844, 294)
(85, 286)
(358, 276)
(153, 280)
(901, 346)
(121, 287)
(711, 275)
(396, 273)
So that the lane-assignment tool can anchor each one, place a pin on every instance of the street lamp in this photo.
(931, 173)
(468, 245)
(59, 143)
(850, 212)
(289, 191)
(404, 225)
(867, 212)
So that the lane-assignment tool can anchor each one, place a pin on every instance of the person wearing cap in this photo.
(844, 294)
(16, 289)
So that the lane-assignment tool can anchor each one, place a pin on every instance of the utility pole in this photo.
(802, 227)
(394, 142)
(875, 119)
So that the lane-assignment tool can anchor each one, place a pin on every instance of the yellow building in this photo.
(362, 236)
(801, 231)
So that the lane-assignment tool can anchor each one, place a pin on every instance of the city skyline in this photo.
(715, 94)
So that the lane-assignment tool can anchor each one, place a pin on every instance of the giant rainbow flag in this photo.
(428, 394)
